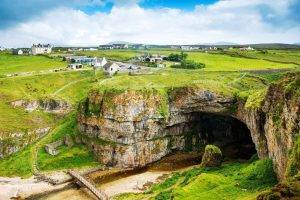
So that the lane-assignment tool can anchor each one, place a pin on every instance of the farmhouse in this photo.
(246, 48)
(75, 66)
(185, 48)
(99, 62)
(17, 51)
(151, 58)
(111, 68)
(114, 46)
(41, 49)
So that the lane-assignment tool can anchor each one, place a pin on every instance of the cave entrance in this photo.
(229, 133)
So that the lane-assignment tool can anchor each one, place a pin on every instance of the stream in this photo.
(114, 182)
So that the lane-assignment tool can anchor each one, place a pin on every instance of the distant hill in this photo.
(119, 42)
(273, 46)
(221, 43)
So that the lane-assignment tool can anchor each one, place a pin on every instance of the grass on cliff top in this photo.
(65, 85)
(230, 181)
(27, 63)
(225, 83)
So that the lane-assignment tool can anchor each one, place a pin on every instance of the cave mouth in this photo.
(230, 134)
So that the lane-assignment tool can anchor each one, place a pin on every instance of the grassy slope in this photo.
(230, 181)
(75, 157)
(19, 63)
(74, 87)
(21, 163)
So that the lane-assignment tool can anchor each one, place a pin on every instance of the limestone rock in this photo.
(212, 156)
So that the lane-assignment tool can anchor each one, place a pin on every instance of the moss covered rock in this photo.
(212, 156)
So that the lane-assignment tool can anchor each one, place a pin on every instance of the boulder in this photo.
(212, 156)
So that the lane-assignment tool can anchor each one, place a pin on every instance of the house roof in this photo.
(109, 64)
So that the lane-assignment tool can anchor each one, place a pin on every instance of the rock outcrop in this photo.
(212, 156)
(135, 128)
(47, 105)
(14, 142)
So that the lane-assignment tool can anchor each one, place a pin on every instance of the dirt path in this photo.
(69, 84)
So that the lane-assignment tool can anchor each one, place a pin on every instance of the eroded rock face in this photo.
(135, 128)
(18, 140)
(275, 126)
(47, 105)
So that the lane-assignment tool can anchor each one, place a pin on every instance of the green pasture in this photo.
(10, 64)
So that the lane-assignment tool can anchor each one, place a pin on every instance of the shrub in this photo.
(176, 57)
(189, 64)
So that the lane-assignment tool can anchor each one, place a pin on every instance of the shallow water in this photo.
(113, 183)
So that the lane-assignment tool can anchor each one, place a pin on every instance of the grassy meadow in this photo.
(280, 56)
(10, 64)
(213, 61)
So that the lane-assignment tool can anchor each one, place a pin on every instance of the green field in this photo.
(217, 62)
(117, 55)
(213, 61)
(280, 56)
(10, 64)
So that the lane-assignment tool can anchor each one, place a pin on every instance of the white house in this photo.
(17, 51)
(247, 48)
(185, 48)
(41, 49)
(75, 66)
(111, 68)
(99, 62)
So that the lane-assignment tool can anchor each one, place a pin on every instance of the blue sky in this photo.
(99, 21)
(187, 5)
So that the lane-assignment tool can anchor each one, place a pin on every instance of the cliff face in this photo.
(135, 128)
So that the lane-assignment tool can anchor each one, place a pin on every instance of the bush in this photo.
(153, 65)
(176, 57)
(188, 64)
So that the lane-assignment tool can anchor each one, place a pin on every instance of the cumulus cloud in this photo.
(240, 21)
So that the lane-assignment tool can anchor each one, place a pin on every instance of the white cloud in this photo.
(233, 20)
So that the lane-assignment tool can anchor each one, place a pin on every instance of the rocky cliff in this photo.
(134, 128)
